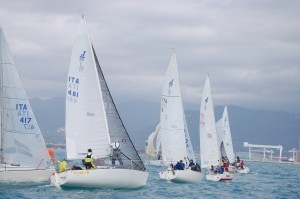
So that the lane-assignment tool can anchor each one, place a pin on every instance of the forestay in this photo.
(21, 140)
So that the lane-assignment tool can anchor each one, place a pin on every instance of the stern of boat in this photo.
(219, 177)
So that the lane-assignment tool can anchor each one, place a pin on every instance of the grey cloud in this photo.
(249, 48)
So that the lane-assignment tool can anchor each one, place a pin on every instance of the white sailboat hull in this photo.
(100, 178)
(25, 174)
(187, 176)
(245, 170)
(219, 177)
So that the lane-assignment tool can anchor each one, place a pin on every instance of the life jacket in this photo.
(117, 147)
(62, 165)
(88, 158)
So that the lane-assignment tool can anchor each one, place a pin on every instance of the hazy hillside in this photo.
(140, 118)
(253, 126)
(50, 115)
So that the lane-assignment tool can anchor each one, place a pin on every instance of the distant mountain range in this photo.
(141, 117)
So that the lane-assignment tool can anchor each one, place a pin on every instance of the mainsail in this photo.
(209, 149)
(21, 140)
(92, 120)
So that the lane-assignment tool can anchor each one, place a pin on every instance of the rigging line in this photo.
(18, 132)
(132, 161)
(16, 98)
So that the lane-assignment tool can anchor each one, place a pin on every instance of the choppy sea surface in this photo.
(265, 180)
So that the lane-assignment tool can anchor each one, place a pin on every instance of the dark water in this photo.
(265, 180)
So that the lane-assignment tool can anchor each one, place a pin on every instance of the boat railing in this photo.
(12, 165)
(126, 163)
(106, 163)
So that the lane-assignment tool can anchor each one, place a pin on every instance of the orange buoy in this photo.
(51, 154)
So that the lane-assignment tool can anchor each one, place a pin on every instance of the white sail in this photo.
(220, 137)
(209, 149)
(224, 135)
(86, 122)
(150, 148)
(153, 145)
(189, 147)
(158, 142)
(172, 117)
(22, 143)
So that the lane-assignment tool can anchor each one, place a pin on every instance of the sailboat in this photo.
(23, 153)
(93, 122)
(174, 135)
(225, 141)
(209, 146)
(224, 137)
(153, 148)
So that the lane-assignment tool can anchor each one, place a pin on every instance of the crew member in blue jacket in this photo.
(179, 166)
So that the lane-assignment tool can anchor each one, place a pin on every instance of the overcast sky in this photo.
(250, 49)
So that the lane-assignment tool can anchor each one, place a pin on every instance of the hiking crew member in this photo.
(88, 161)
(194, 166)
(179, 166)
(242, 164)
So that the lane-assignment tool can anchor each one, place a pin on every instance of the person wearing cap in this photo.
(88, 161)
